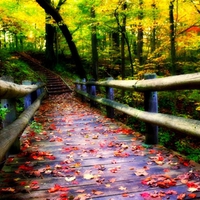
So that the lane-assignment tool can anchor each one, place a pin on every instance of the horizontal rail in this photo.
(149, 87)
(187, 126)
(178, 82)
(13, 90)
(11, 132)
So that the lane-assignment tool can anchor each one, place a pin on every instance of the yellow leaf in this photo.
(192, 189)
(88, 176)
(72, 178)
(122, 188)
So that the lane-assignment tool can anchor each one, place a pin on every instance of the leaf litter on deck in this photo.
(81, 154)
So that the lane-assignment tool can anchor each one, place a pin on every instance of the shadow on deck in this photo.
(80, 154)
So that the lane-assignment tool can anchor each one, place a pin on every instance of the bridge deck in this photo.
(80, 154)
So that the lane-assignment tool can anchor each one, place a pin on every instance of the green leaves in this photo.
(3, 112)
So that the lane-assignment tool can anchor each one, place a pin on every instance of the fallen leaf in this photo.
(22, 183)
(88, 176)
(192, 187)
(192, 195)
(181, 196)
(122, 188)
(171, 192)
(96, 192)
(9, 189)
(112, 180)
(145, 195)
(57, 188)
(34, 187)
(69, 179)
(141, 172)
(107, 185)
(52, 127)
(125, 195)
(80, 191)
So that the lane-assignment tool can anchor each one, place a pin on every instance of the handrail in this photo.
(11, 132)
(13, 90)
(149, 87)
(187, 126)
(13, 127)
(178, 82)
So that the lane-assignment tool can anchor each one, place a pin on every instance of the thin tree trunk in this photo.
(63, 27)
(94, 47)
(123, 30)
(140, 35)
(153, 36)
(50, 59)
(172, 37)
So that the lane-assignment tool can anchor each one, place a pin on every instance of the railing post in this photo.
(151, 105)
(78, 86)
(84, 89)
(109, 95)
(10, 104)
(39, 90)
(34, 94)
(92, 91)
(27, 98)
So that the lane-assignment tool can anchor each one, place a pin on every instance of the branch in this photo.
(188, 28)
(60, 3)
(195, 6)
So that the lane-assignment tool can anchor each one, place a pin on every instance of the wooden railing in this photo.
(149, 87)
(13, 125)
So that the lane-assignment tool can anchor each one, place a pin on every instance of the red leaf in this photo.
(50, 157)
(34, 182)
(171, 192)
(54, 189)
(58, 188)
(34, 187)
(145, 195)
(25, 168)
(63, 195)
(52, 127)
(22, 183)
(181, 196)
(192, 184)
(192, 195)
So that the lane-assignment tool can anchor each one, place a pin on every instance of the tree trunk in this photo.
(123, 68)
(172, 37)
(153, 35)
(94, 47)
(63, 27)
(50, 59)
(140, 35)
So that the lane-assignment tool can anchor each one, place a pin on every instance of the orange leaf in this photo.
(181, 196)
(125, 195)
(112, 180)
(96, 192)
(192, 195)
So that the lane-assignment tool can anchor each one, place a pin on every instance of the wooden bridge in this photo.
(81, 154)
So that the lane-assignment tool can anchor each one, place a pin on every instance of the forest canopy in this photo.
(117, 37)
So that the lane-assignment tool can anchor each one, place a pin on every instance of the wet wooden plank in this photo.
(87, 155)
